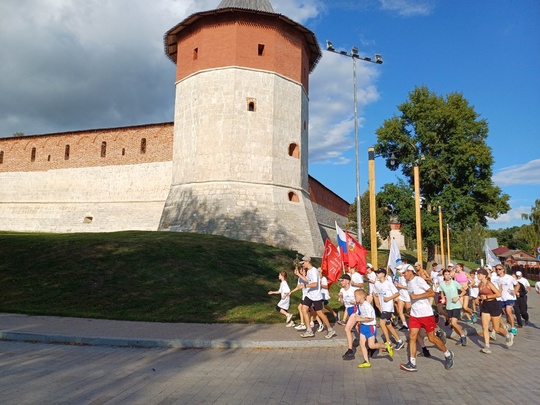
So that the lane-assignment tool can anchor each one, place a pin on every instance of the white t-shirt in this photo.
(508, 283)
(372, 278)
(385, 289)
(314, 293)
(285, 301)
(348, 296)
(367, 311)
(473, 291)
(524, 281)
(357, 278)
(435, 279)
(403, 293)
(324, 291)
(496, 280)
(537, 287)
(419, 307)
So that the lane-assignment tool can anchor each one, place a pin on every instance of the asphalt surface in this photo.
(55, 360)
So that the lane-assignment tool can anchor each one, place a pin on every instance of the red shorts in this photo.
(426, 322)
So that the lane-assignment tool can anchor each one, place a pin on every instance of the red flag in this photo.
(331, 262)
(357, 254)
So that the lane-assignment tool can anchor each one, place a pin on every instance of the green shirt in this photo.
(451, 290)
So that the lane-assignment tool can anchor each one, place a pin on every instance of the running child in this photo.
(284, 303)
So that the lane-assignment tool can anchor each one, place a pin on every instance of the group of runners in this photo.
(410, 291)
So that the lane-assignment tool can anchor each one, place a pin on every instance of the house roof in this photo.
(258, 5)
(500, 250)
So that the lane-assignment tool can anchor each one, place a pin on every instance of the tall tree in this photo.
(445, 137)
(531, 232)
(382, 220)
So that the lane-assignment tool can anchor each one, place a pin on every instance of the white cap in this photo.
(451, 264)
(519, 273)
(407, 267)
(369, 265)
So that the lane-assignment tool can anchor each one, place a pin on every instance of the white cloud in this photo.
(408, 8)
(511, 218)
(331, 130)
(525, 174)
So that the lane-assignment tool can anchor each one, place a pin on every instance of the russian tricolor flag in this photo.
(342, 245)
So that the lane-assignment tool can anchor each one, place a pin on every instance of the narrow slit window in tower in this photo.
(196, 54)
(33, 155)
(103, 149)
(66, 153)
(294, 150)
(143, 145)
(293, 197)
(261, 49)
(1, 157)
(123, 151)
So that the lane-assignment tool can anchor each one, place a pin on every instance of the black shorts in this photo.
(387, 316)
(492, 307)
(454, 313)
(317, 305)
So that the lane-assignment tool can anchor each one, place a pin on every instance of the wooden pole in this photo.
(373, 209)
(418, 218)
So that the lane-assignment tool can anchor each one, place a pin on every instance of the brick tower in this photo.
(240, 154)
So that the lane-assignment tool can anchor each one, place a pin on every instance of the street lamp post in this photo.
(378, 60)
(418, 218)
(443, 262)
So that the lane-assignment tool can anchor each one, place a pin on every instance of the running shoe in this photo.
(389, 349)
(470, 322)
(365, 364)
(301, 326)
(513, 331)
(289, 317)
(404, 327)
(474, 318)
(307, 334)
(463, 340)
(399, 345)
(349, 355)
(493, 335)
(408, 367)
(426, 352)
(331, 333)
(449, 361)
(320, 328)
(509, 340)
(290, 324)
(340, 322)
(486, 350)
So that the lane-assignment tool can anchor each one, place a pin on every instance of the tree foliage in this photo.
(468, 244)
(531, 232)
(383, 226)
(445, 137)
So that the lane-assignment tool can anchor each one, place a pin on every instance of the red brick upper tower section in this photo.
(243, 33)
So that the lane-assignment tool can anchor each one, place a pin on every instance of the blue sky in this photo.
(72, 65)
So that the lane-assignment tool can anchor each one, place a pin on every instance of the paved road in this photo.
(40, 373)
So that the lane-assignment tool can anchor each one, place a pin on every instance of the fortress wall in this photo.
(89, 199)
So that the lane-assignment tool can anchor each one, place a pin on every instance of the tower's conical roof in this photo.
(257, 5)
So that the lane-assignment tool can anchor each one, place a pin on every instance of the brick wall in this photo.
(123, 146)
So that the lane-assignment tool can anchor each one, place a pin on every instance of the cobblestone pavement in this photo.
(297, 372)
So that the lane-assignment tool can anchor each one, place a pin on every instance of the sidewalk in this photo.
(99, 332)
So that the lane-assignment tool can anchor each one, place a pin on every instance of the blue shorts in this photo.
(368, 330)
(350, 310)
(509, 303)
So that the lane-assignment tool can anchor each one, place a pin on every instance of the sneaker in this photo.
(404, 327)
(290, 324)
(463, 340)
(399, 345)
(340, 322)
(449, 361)
(365, 364)
(389, 349)
(493, 335)
(330, 334)
(408, 367)
(320, 328)
(426, 352)
(307, 333)
(509, 340)
(474, 318)
(289, 317)
(470, 322)
(349, 355)
(513, 331)
(486, 350)
(301, 326)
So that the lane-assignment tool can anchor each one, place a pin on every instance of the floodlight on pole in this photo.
(354, 55)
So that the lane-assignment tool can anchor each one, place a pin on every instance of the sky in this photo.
(74, 65)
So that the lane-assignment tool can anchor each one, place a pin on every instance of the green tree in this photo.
(382, 222)
(469, 243)
(511, 237)
(446, 139)
(531, 232)
(17, 134)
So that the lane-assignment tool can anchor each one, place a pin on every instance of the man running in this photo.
(421, 317)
